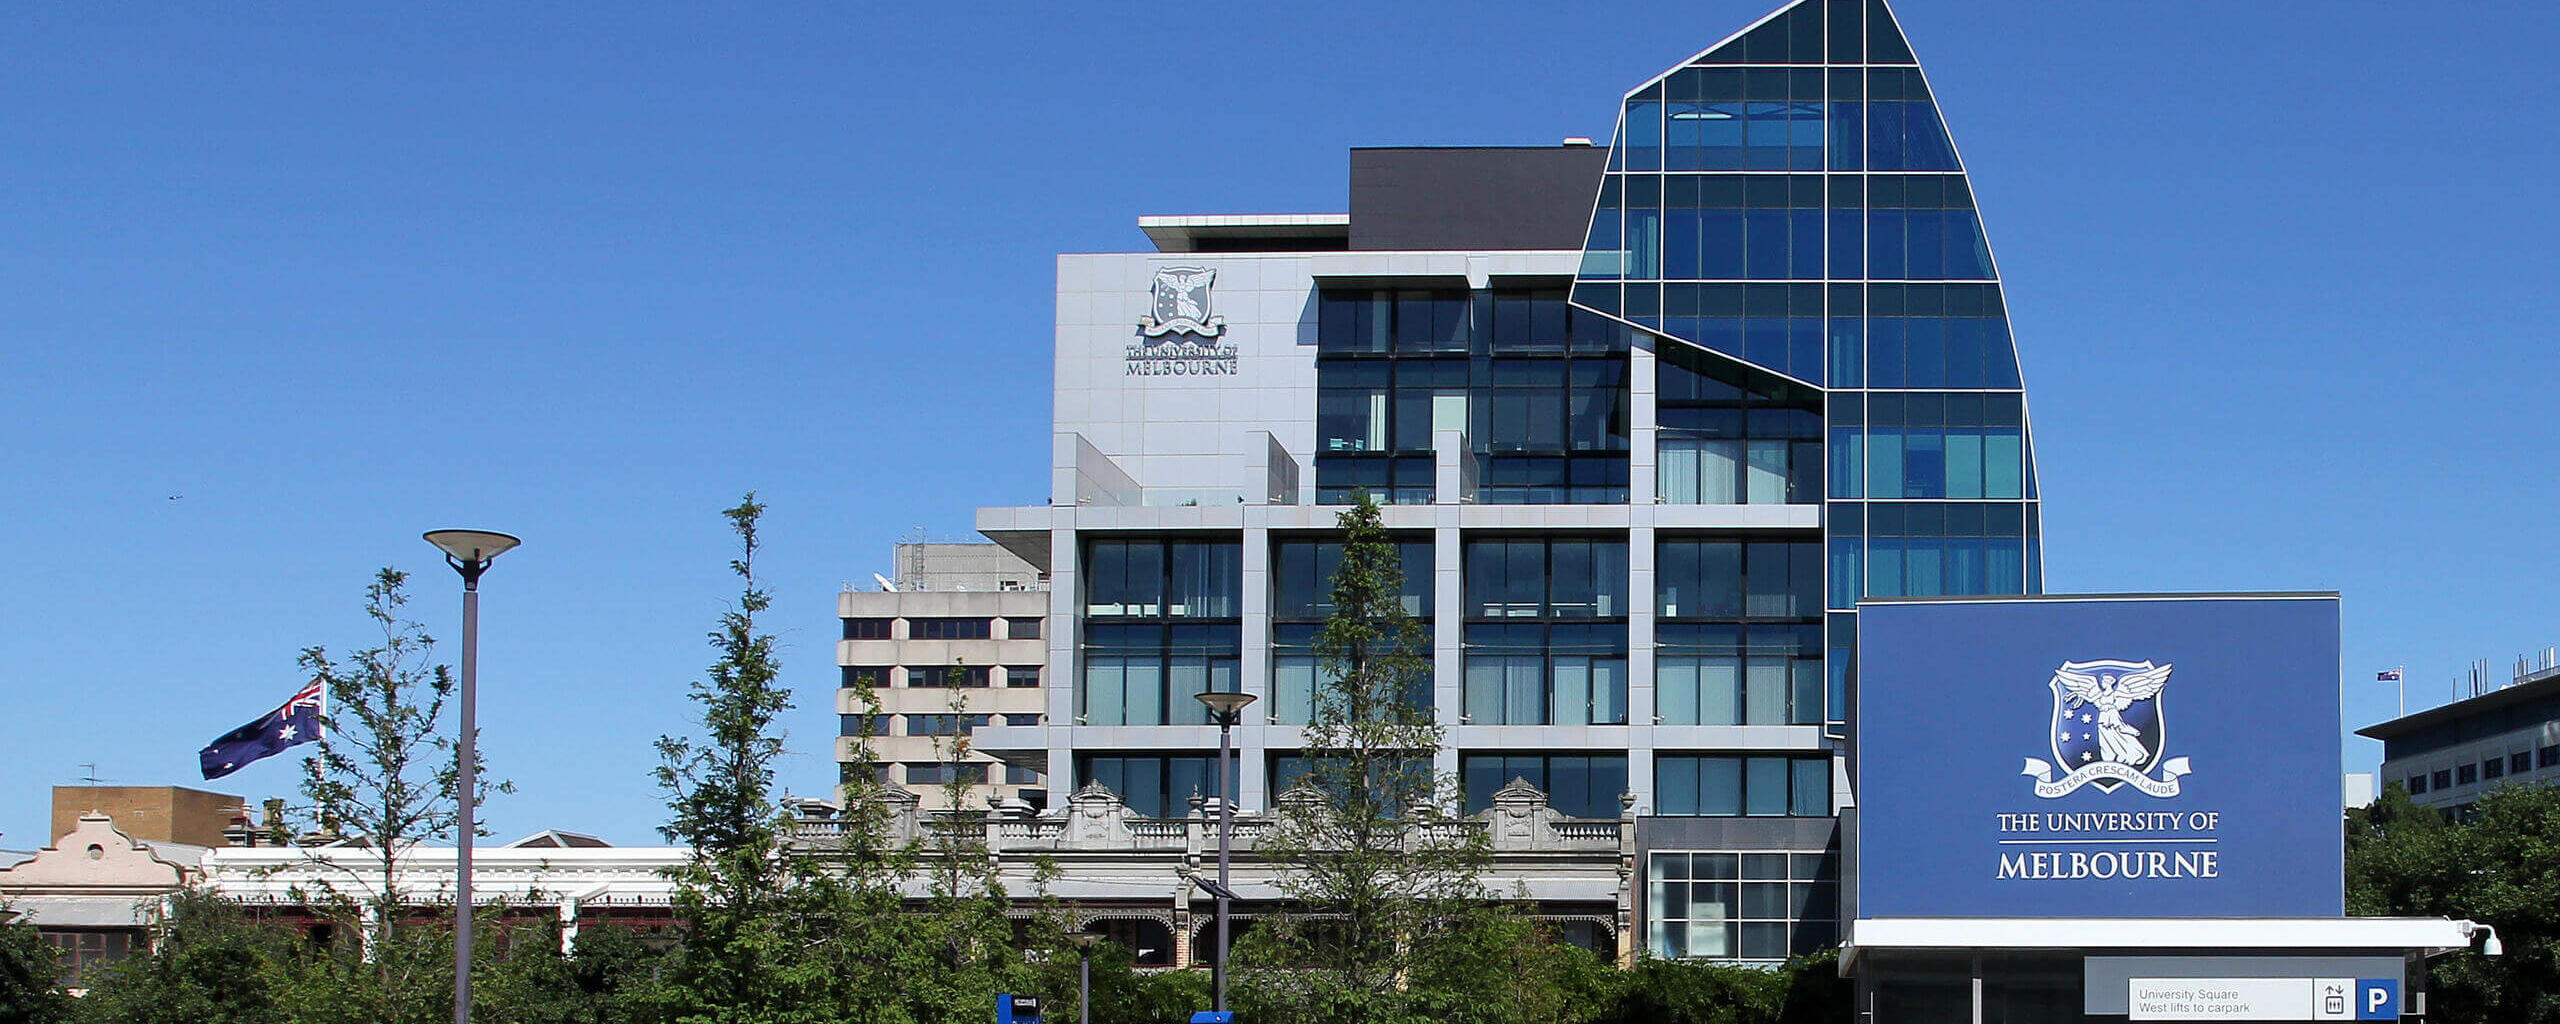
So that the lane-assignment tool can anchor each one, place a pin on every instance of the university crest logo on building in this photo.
(1182, 304)
(2108, 730)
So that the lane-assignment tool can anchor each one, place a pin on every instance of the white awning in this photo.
(2394, 935)
(84, 911)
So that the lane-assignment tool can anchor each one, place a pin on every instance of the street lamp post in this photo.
(1084, 941)
(469, 552)
(1225, 709)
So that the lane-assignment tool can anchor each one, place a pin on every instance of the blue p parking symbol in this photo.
(2377, 999)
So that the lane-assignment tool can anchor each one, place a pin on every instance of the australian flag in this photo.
(298, 721)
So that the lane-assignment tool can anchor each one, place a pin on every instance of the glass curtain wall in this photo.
(1546, 634)
(1732, 435)
(1153, 785)
(1538, 388)
(1301, 598)
(1741, 906)
(1577, 785)
(1738, 632)
(1791, 201)
(1162, 621)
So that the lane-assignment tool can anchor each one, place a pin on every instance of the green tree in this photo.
(608, 980)
(387, 773)
(29, 968)
(739, 960)
(1122, 994)
(208, 964)
(1379, 877)
(2500, 866)
(964, 926)
(1807, 990)
(1501, 967)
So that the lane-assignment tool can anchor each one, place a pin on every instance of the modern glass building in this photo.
(1650, 418)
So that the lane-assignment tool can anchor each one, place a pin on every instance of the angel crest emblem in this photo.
(1182, 304)
(2108, 730)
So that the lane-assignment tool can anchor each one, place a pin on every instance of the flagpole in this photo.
(2400, 682)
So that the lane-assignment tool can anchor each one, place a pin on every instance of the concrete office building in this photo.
(1650, 418)
(2447, 757)
(951, 644)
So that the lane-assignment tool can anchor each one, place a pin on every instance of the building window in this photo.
(2466, 775)
(1577, 785)
(1924, 549)
(1157, 786)
(1534, 655)
(1539, 390)
(862, 725)
(84, 954)
(2547, 757)
(1565, 578)
(1289, 770)
(933, 773)
(1554, 674)
(1720, 580)
(947, 676)
(1163, 579)
(1147, 674)
(1160, 626)
(1302, 578)
(868, 628)
(1018, 677)
(950, 629)
(1302, 596)
(1022, 629)
(2520, 762)
(1725, 440)
(2417, 784)
(1739, 675)
(945, 725)
(1930, 445)
(1740, 640)
(2493, 768)
(1741, 906)
(2443, 779)
(1735, 785)
(865, 676)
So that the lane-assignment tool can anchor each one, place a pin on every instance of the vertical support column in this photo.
(568, 925)
(1640, 695)
(1252, 738)
(1643, 482)
(1182, 927)
(1065, 633)
(1977, 989)
(1448, 467)
(1448, 640)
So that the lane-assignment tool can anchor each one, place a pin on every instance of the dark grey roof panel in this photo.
(1474, 198)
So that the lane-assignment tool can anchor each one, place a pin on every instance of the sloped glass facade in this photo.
(1786, 216)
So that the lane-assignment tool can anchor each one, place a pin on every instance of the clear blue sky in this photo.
(337, 274)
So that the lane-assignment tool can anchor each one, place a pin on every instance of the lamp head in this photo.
(2490, 948)
(471, 551)
(1085, 940)
(1224, 705)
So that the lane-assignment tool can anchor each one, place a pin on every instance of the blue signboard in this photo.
(2098, 757)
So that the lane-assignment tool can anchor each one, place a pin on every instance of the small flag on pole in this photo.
(2388, 675)
(297, 722)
